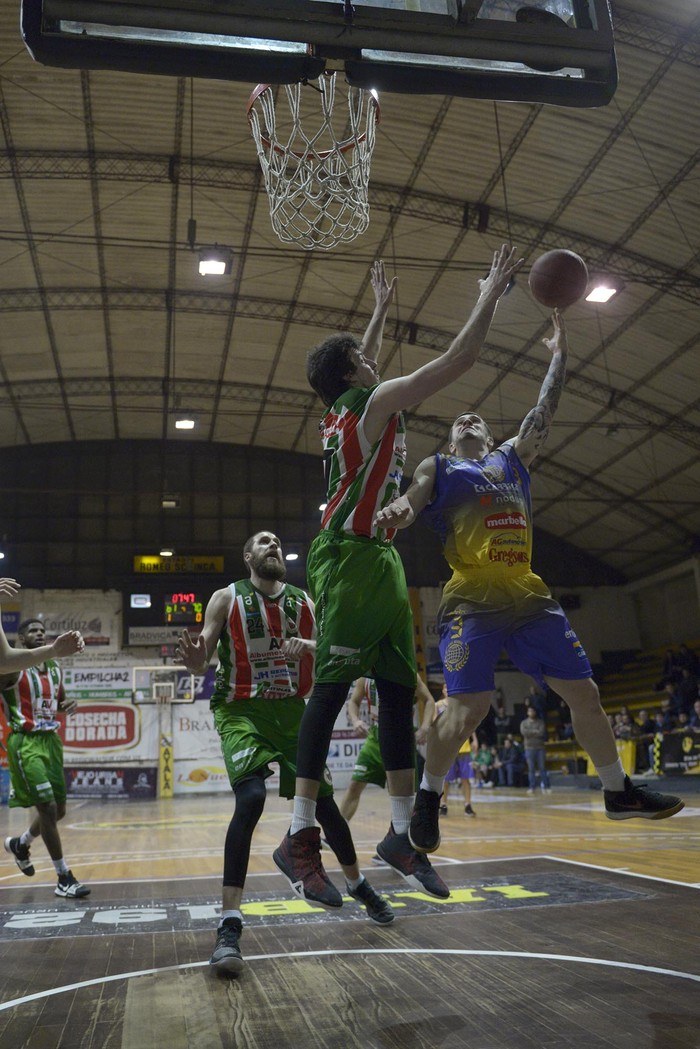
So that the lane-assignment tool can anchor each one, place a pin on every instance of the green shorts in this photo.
(36, 768)
(363, 615)
(369, 767)
(254, 732)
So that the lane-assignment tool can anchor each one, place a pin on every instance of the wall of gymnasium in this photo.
(75, 514)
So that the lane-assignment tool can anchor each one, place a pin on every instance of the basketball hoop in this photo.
(163, 692)
(317, 184)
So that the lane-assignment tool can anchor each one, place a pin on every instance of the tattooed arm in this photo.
(534, 429)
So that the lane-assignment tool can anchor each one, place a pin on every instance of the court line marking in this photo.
(442, 860)
(623, 870)
(529, 955)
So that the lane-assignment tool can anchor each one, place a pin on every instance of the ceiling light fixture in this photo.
(215, 261)
(603, 288)
(185, 423)
(291, 557)
(167, 551)
(169, 502)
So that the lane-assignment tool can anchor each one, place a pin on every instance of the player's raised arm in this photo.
(14, 660)
(403, 511)
(395, 395)
(534, 428)
(383, 297)
(195, 653)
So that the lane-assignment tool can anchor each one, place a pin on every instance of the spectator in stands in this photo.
(627, 728)
(668, 713)
(688, 658)
(682, 722)
(537, 699)
(694, 721)
(670, 670)
(483, 765)
(564, 728)
(503, 723)
(511, 763)
(645, 723)
(686, 691)
(534, 732)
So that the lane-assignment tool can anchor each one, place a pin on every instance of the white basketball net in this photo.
(317, 183)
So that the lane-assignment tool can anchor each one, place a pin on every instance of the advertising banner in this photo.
(342, 755)
(680, 752)
(108, 731)
(118, 783)
(89, 682)
(201, 776)
(95, 613)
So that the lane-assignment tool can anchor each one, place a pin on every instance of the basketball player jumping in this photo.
(356, 577)
(478, 500)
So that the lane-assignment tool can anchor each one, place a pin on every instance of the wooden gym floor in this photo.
(564, 929)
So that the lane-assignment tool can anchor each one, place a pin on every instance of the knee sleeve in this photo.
(336, 831)
(396, 735)
(316, 728)
(250, 801)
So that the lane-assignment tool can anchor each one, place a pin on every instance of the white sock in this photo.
(27, 838)
(61, 866)
(229, 914)
(354, 882)
(612, 776)
(401, 809)
(303, 815)
(430, 782)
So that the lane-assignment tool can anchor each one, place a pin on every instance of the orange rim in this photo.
(341, 147)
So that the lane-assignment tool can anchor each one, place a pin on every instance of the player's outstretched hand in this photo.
(398, 514)
(69, 706)
(191, 652)
(68, 644)
(383, 290)
(557, 341)
(9, 587)
(504, 265)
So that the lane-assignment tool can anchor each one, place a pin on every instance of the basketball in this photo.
(558, 278)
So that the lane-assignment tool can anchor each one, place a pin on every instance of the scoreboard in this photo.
(183, 609)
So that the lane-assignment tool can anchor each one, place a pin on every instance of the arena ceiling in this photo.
(108, 330)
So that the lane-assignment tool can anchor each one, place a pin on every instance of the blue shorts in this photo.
(542, 646)
(461, 769)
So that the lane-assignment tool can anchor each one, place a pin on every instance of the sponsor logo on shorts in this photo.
(580, 651)
(456, 655)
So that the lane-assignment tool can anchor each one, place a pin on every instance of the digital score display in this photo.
(183, 608)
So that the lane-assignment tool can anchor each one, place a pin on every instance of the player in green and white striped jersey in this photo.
(354, 573)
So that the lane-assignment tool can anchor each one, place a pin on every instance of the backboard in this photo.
(556, 51)
(162, 684)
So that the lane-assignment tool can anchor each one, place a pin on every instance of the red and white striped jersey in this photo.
(31, 704)
(251, 662)
(361, 478)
